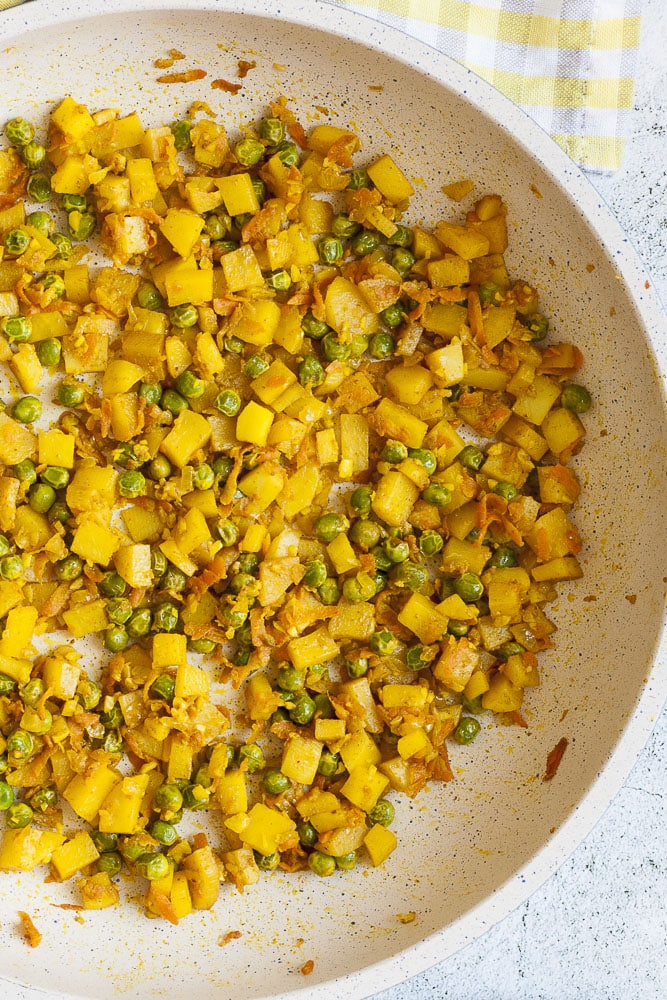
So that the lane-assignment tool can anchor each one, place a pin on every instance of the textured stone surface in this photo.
(598, 928)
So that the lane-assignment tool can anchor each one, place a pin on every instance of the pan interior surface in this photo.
(466, 849)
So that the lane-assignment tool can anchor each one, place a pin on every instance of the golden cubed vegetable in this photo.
(272, 383)
(301, 757)
(17, 442)
(261, 699)
(143, 524)
(169, 650)
(364, 786)
(498, 322)
(133, 563)
(394, 498)
(190, 432)
(120, 376)
(559, 568)
(553, 535)
(444, 318)
(25, 848)
(342, 554)
(182, 228)
(347, 311)
(558, 484)
(191, 682)
(354, 702)
(506, 590)
(394, 421)
(524, 436)
(448, 271)
(330, 731)
(55, 448)
(98, 892)
(359, 750)
(409, 383)
(142, 180)
(422, 617)
(17, 668)
(563, 431)
(191, 531)
(455, 607)
(238, 193)
(231, 793)
(121, 810)
(477, 685)
(92, 488)
(74, 174)
(540, 396)
(465, 242)
(86, 348)
(71, 120)
(27, 367)
(77, 284)
(262, 486)
(390, 180)
(94, 541)
(326, 443)
(457, 663)
(521, 670)
(354, 445)
(415, 744)
(61, 676)
(502, 695)
(241, 867)
(460, 556)
(264, 829)
(32, 530)
(380, 843)
(255, 322)
(203, 873)
(254, 423)
(447, 363)
(180, 759)
(86, 617)
(352, 621)
(241, 269)
(299, 490)
(73, 855)
(18, 631)
(408, 696)
(316, 647)
(86, 792)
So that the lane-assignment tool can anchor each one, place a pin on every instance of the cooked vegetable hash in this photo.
(280, 450)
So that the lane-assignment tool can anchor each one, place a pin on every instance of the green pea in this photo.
(33, 691)
(49, 352)
(44, 799)
(467, 730)
(149, 297)
(538, 326)
(68, 568)
(163, 687)
(361, 499)
(357, 667)
(38, 188)
(259, 187)
(112, 585)
(227, 532)
(328, 526)
(381, 346)
(42, 222)
(116, 638)
(506, 490)
(19, 131)
(328, 764)
(249, 151)
(222, 466)
(382, 813)
(159, 468)
(314, 328)
(18, 815)
(359, 178)
(165, 833)
(382, 642)
(394, 452)
(471, 457)
(437, 495)
(272, 130)
(410, 576)
(323, 706)
(174, 402)
(184, 316)
(366, 534)
(255, 365)
(131, 484)
(233, 345)
(343, 227)
(11, 567)
(430, 542)
(310, 371)
(365, 242)
(288, 154)
(330, 249)
(402, 237)
(56, 476)
(112, 717)
(315, 574)
(457, 628)
(173, 579)
(203, 477)
(25, 471)
(328, 591)
(382, 561)
(217, 227)
(279, 280)
(396, 550)
(153, 866)
(576, 398)
(80, 225)
(165, 617)
(105, 842)
(308, 835)
(20, 745)
(7, 684)
(403, 261)
(16, 242)
(392, 316)
(228, 402)
(64, 245)
(4, 545)
(33, 154)
(118, 610)
(110, 863)
(469, 587)
(252, 757)
(139, 624)
(358, 589)
(321, 864)
(189, 385)
(41, 497)
(509, 649)
(27, 409)
(346, 862)
(88, 693)
(181, 132)
(6, 796)
(73, 203)
(220, 248)
(275, 782)
(419, 657)
(70, 394)
(425, 458)
(17, 329)
(333, 349)
(168, 798)
(503, 556)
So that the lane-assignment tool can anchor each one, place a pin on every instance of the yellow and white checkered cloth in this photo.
(568, 63)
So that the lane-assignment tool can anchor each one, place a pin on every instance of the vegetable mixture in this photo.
(280, 448)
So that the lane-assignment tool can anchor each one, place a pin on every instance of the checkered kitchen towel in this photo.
(568, 63)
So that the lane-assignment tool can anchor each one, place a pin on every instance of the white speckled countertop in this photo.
(597, 930)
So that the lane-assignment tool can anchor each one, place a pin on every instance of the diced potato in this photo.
(17, 442)
(190, 432)
(25, 848)
(394, 498)
(380, 843)
(95, 542)
(409, 383)
(121, 809)
(364, 786)
(73, 855)
(301, 757)
(86, 792)
(467, 243)
(55, 448)
(347, 310)
(86, 618)
(390, 180)
(241, 269)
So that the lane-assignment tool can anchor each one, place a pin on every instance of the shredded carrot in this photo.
(554, 758)
(30, 932)
(187, 77)
(230, 88)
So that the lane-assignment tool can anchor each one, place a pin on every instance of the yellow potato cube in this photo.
(18, 631)
(448, 271)
(447, 363)
(61, 676)
(423, 618)
(301, 757)
(231, 793)
(169, 650)
(86, 618)
(414, 744)
(354, 445)
(540, 396)
(467, 243)
(55, 448)
(359, 750)
(254, 423)
(94, 542)
(92, 489)
(17, 441)
(190, 432)
(502, 695)
(120, 376)
(241, 269)
(390, 180)
(262, 486)
(255, 322)
(86, 792)
(98, 892)
(238, 193)
(342, 554)
(347, 311)
(394, 421)
(264, 829)
(74, 855)
(379, 842)
(25, 848)
(27, 367)
(133, 563)
(121, 810)
(409, 383)
(273, 382)
(191, 682)
(409, 696)
(316, 647)
(364, 786)
(394, 498)
(182, 227)
(142, 180)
